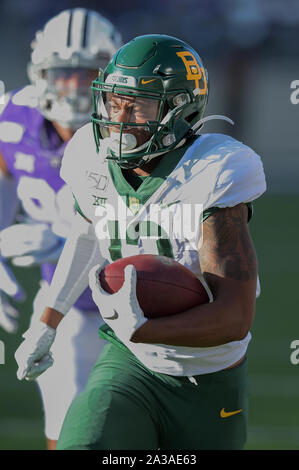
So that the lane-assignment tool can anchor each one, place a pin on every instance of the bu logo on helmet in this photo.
(194, 71)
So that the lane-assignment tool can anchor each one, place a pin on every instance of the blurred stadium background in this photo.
(251, 50)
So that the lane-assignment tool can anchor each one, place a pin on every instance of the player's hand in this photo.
(30, 244)
(33, 356)
(121, 311)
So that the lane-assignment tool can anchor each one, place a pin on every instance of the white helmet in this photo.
(65, 58)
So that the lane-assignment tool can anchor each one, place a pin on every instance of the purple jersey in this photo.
(33, 150)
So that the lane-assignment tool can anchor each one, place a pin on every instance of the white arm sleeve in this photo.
(80, 253)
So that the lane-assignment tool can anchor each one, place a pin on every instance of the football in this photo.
(164, 286)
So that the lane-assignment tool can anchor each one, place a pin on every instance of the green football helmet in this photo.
(149, 100)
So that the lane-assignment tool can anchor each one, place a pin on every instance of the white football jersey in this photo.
(164, 216)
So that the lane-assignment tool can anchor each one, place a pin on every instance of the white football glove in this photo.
(9, 286)
(121, 311)
(33, 356)
(30, 244)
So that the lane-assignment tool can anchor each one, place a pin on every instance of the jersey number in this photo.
(134, 233)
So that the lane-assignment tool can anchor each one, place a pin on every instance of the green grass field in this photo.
(274, 381)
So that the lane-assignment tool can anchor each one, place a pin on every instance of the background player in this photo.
(181, 380)
(36, 122)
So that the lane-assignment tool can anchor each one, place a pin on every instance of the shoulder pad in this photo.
(240, 174)
(219, 171)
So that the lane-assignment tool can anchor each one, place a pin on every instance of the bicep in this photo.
(227, 249)
(228, 259)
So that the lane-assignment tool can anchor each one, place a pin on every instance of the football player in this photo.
(35, 124)
(175, 382)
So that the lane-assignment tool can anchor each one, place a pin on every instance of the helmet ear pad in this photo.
(182, 119)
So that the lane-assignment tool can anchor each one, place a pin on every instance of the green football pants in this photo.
(127, 406)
